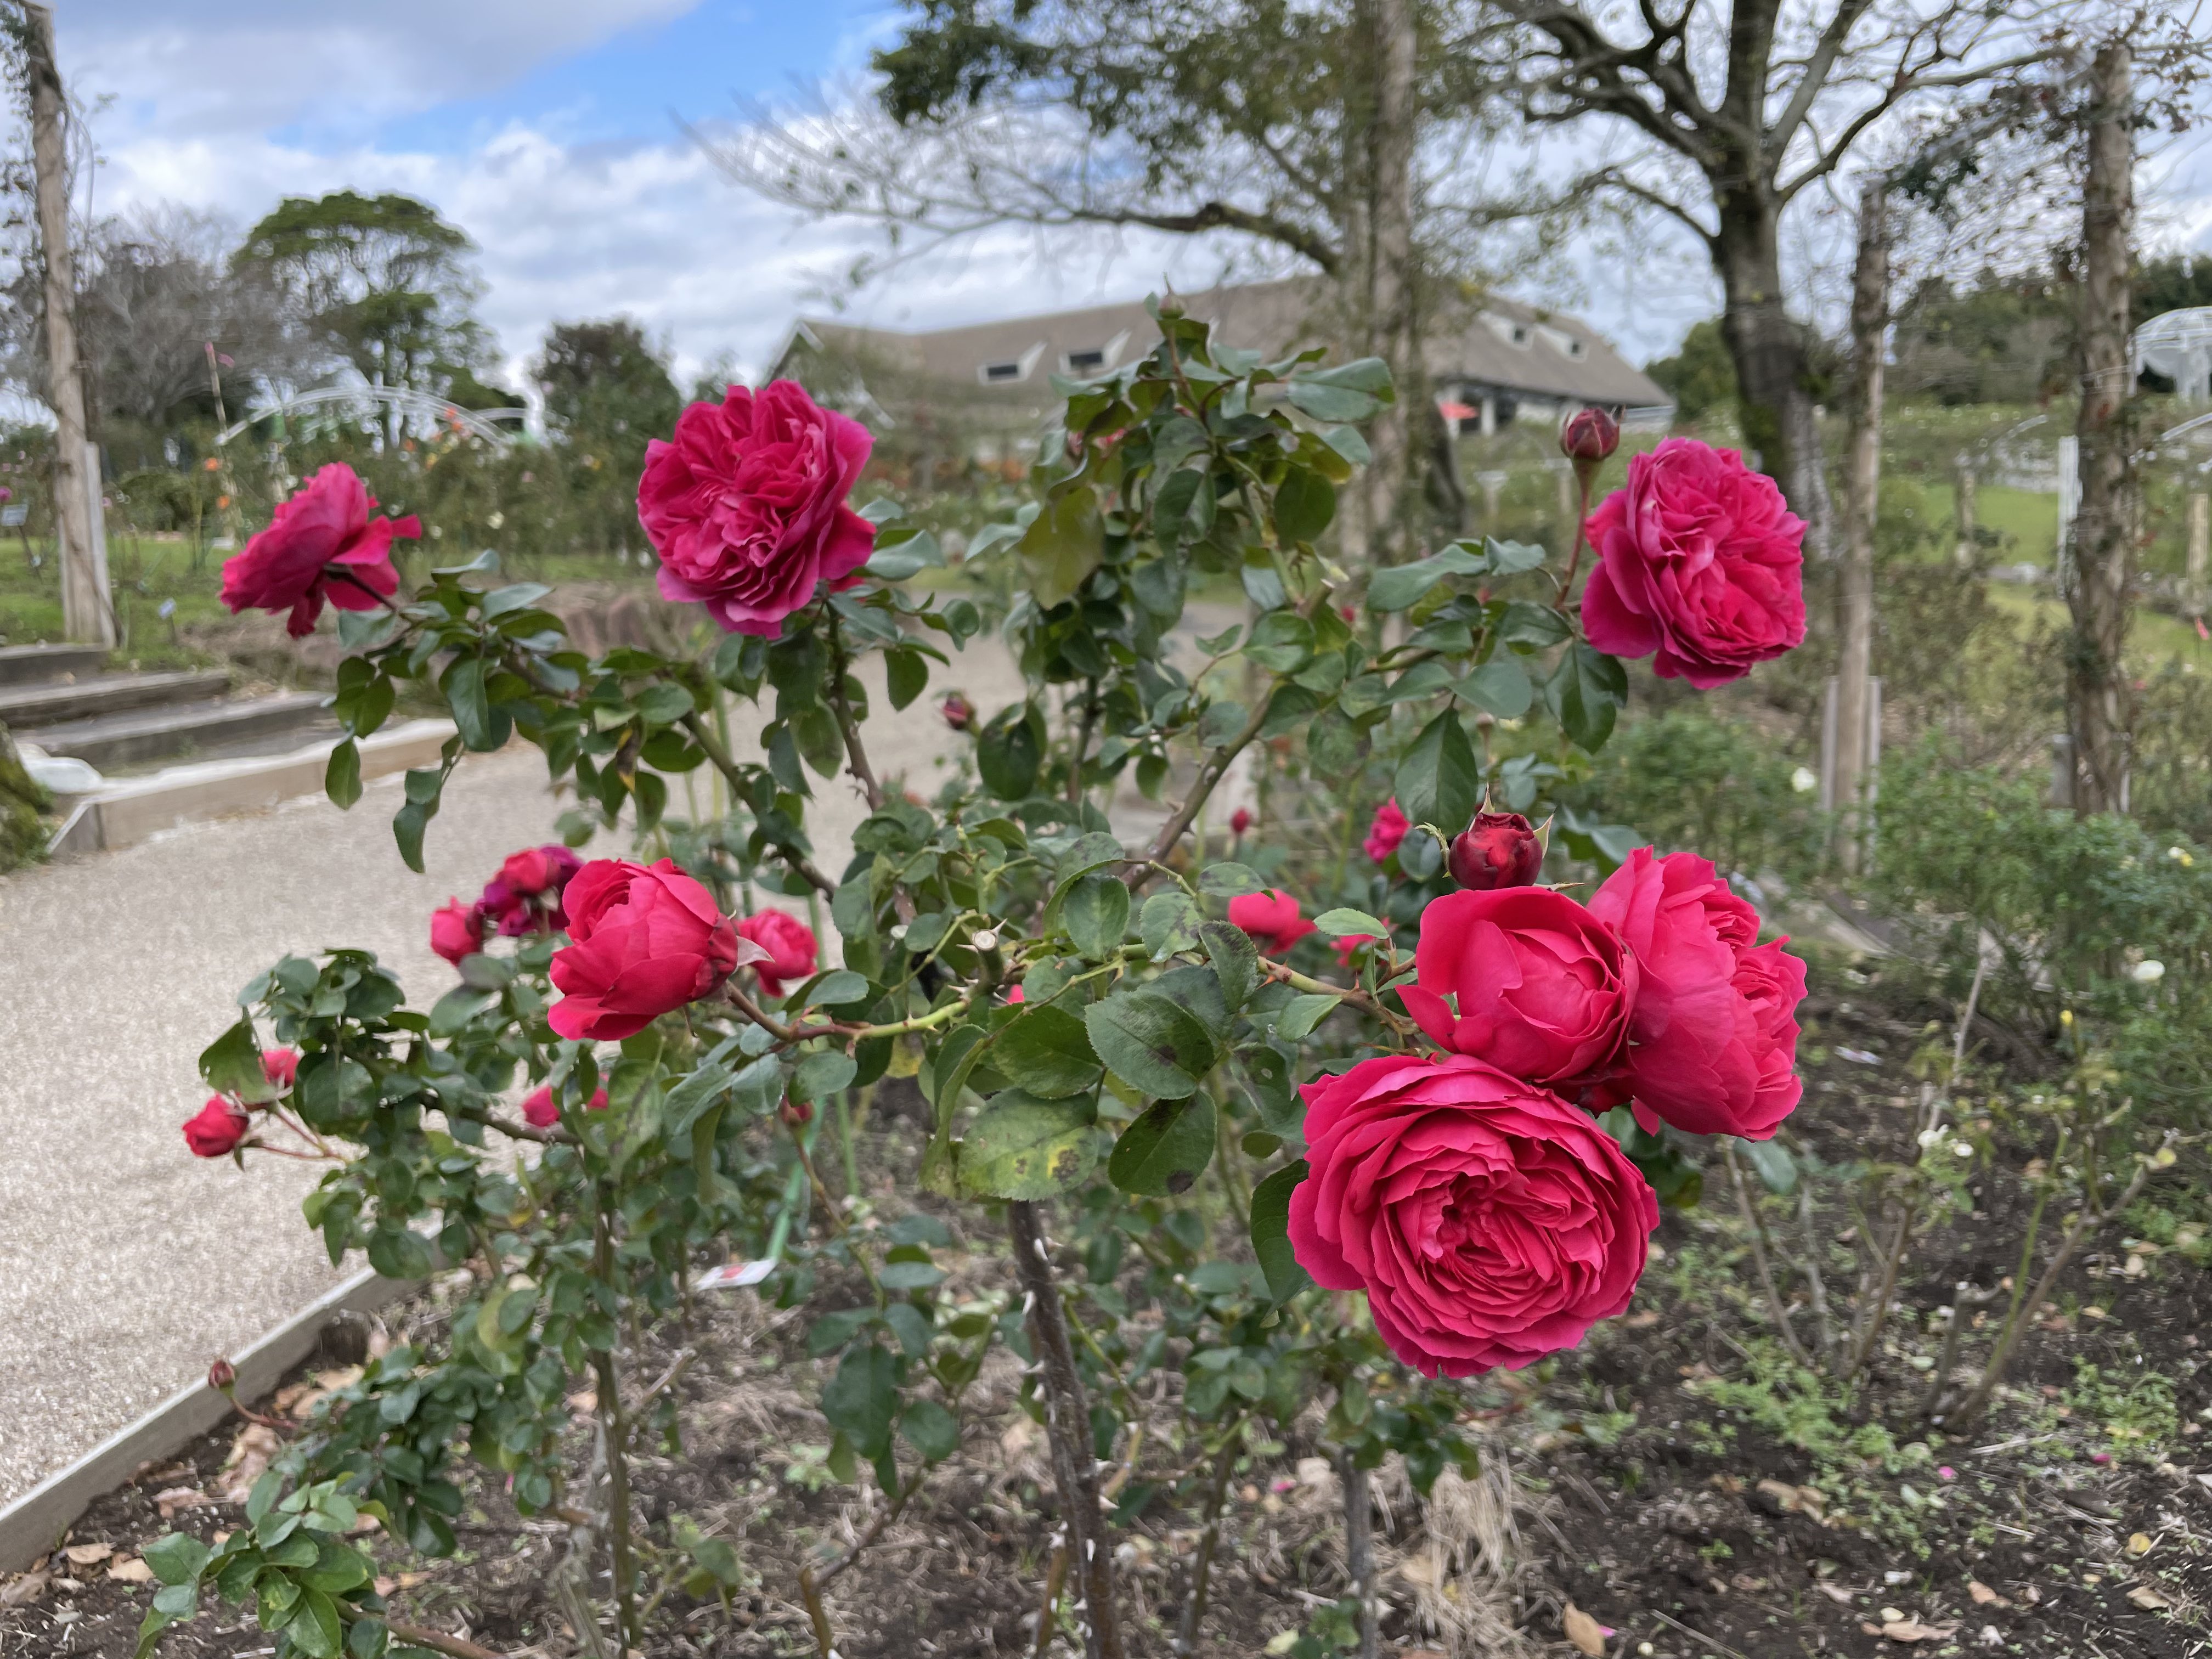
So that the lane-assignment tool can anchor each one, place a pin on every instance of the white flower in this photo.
(1930, 1137)
(1803, 781)
(496, 519)
(1961, 1149)
(2182, 856)
(2149, 971)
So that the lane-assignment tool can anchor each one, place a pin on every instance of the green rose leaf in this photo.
(1165, 1151)
(1047, 1051)
(1270, 1241)
(1152, 1044)
(1440, 781)
(1020, 1146)
(1096, 914)
(862, 1399)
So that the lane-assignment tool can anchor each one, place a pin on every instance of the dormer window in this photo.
(1566, 344)
(1517, 335)
(1010, 371)
(1086, 363)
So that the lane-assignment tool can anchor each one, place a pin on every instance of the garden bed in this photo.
(1674, 1479)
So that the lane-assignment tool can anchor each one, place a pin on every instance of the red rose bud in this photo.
(1239, 822)
(216, 1129)
(457, 931)
(959, 713)
(793, 952)
(796, 1114)
(1499, 849)
(223, 1377)
(281, 1066)
(1591, 434)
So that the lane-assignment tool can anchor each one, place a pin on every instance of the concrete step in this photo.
(26, 664)
(27, 708)
(127, 811)
(113, 742)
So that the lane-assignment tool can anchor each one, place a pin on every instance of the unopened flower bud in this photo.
(796, 1114)
(223, 1377)
(1591, 434)
(1499, 849)
(959, 713)
(1239, 822)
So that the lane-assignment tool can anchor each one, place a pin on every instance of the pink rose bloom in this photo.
(746, 505)
(1526, 979)
(525, 894)
(645, 941)
(1387, 831)
(538, 1110)
(281, 1066)
(1713, 1042)
(792, 949)
(1698, 566)
(216, 1129)
(1489, 1222)
(1347, 946)
(320, 545)
(457, 930)
(1271, 918)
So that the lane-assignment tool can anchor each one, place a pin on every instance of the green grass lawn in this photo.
(2153, 639)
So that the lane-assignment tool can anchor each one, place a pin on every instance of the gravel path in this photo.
(126, 1264)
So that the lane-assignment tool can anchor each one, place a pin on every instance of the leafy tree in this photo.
(1701, 375)
(607, 392)
(382, 279)
(2177, 282)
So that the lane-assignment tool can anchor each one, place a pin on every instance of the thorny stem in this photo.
(812, 1583)
(1067, 1431)
(856, 754)
(718, 755)
(436, 1641)
(1083, 743)
(1814, 1282)
(1359, 1547)
(1356, 998)
(1756, 1232)
(1209, 776)
(1963, 1296)
(1201, 1572)
(2093, 1216)
(1055, 1579)
(616, 1427)
(1584, 475)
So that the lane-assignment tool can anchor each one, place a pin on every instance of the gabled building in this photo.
(1499, 361)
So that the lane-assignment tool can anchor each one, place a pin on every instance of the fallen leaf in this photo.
(1642, 1321)
(248, 1462)
(88, 1555)
(131, 1570)
(1727, 1483)
(1836, 1593)
(1813, 1501)
(1584, 1631)
(1983, 1596)
(167, 1475)
(24, 1589)
(1911, 1630)
(1780, 1494)
(2139, 1544)
(2149, 1599)
(180, 1497)
(1419, 1570)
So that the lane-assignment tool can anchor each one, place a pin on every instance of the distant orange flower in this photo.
(223, 501)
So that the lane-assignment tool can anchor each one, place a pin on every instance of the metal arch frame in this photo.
(478, 421)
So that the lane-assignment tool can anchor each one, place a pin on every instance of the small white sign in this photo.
(11, 517)
(734, 1275)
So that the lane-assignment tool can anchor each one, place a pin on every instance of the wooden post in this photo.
(2103, 540)
(1862, 498)
(2200, 551)
(86, 617)
(1969, 548)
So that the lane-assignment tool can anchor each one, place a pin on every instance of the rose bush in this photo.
(1131, 1085)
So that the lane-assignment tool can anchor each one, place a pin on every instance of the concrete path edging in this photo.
(34, 1523)
(125, 812)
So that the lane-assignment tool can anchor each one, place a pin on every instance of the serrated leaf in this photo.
(1062, 546)
(1096, 914)
(1270, 1241)
(1396, 586)
(1230, 881)
(1152, 1044)
(1345, 922)
(1439, 781)
(1165, 1151)
(1020, 1146)
(1047, 1052)
(1499, 687)
(1302, 1013)
(1586, 691)
(862, 1399)
(1168, 924)
(1305, 503)
(931, 1430)
(177, 1557)
(1236, 961)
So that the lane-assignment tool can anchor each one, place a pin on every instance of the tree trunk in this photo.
(2104, 525)
(86, 613)
(1855, 656)
(1968, 551)
(1386, 278)
(1780, 427)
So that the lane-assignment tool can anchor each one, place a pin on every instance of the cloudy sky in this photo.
(549, 130)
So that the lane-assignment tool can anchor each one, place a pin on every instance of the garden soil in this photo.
(1628, 1496)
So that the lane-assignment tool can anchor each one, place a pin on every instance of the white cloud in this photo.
(246, 66)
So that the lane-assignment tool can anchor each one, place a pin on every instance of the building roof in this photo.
(1502, 345)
